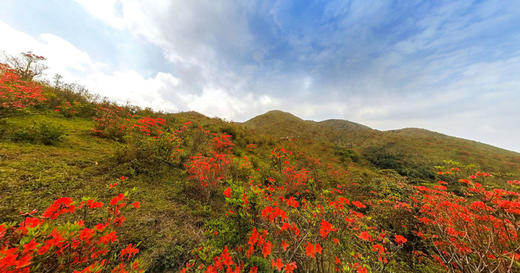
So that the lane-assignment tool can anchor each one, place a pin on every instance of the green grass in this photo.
(32, 175)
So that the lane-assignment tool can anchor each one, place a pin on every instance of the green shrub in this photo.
(49, 133)
(384, 159)
(263, 265)
(23, 135)
(42, 133)
(172, 258)
(3, 129)
(346, 154)
(146, 155)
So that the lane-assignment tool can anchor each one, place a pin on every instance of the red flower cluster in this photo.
(40, 243)
(209, 171)
(312, 249)
(59, 207)
(481, 229)
(16, 93)
(150, 126)
(227, 192)
(111, 121)
(326, 228)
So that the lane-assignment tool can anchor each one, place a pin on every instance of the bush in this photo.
(23, 135)
(43, 133)
(17, 94)
(147, 155)
(3, 128)
(346, 154)
(384, 159)
(49, 133)
(111, 121)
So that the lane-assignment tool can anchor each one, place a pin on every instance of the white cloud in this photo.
(202, 39)
(444, 67)
(129, 86)
(77, 66)
(195, 32)
(63, 57)
(163, 91)
(219, 103)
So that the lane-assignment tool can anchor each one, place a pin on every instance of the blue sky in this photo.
(447, 66)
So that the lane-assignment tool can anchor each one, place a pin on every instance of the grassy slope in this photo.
(32, 175)
(171, 220)
(417, 145)
(46, 172)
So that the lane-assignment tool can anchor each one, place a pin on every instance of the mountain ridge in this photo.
(410, 146)
(281, 116)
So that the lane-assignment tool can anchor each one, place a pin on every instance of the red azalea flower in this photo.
(227, 192)
(400, 239)
(365, 236)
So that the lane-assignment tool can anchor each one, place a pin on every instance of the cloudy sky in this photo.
(447, 66)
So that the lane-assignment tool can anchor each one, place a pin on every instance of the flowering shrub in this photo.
(150, 149)
(114, 122)
(43, 243)
(111, 121)
(28, 65)
(477, 232)
(294, 178)
(68, 109)
(291, 232)
(209, 171)
(149, 126)
(15, 93)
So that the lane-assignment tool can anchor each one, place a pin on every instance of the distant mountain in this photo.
(283, 124)
(409, 146)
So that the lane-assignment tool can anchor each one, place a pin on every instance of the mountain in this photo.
(283, 124)
(409, 145)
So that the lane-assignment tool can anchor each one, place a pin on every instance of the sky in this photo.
(447, 66)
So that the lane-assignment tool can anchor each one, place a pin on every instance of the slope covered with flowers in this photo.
(110, 188)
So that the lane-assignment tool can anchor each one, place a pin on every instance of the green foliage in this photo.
(169, 259)
(147, 156)
(261, 263)
(4, 129)
(49, 133)
(346, 155)
(46, 133)
(70, 100)
(384, 159)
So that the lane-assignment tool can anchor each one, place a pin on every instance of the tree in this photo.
(57, 81)
(27, 65)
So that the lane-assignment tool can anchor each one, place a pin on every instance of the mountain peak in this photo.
(278, 114)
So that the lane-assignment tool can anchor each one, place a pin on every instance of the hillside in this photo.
(89, 184)
(409, 146)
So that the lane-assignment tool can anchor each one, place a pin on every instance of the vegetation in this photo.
(160, 192)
